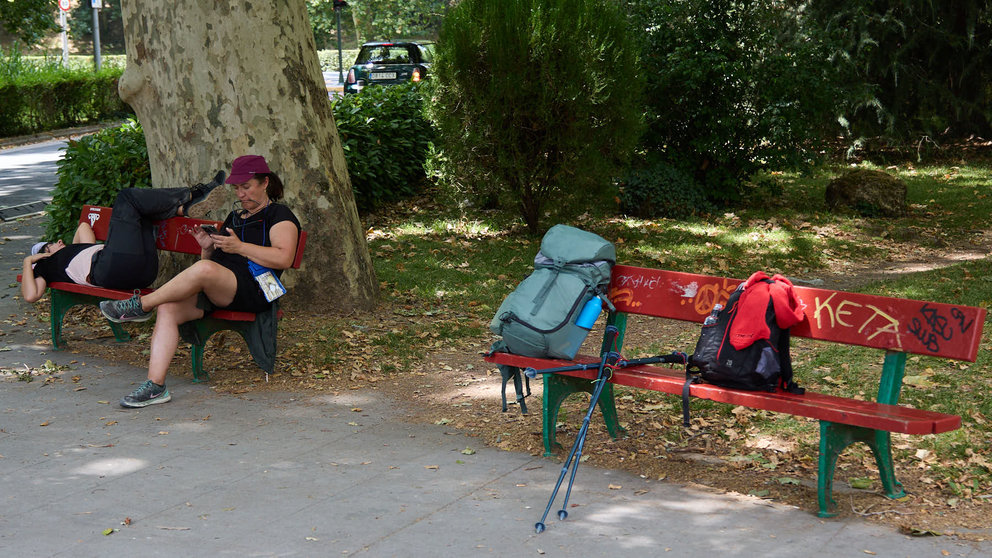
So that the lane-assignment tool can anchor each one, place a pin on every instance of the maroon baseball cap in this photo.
(244, 168)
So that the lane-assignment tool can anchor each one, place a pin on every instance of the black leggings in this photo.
(129, 259)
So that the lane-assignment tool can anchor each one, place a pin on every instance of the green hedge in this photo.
(385, 136)
(45, 96)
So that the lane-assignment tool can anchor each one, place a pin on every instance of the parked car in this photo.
(389, 63)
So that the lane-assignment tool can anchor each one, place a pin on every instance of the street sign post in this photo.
(63, 8)
(338, 6)
(96, 5)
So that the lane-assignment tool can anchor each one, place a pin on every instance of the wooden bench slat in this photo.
(866, 414)
(95, 291)
(898, 324)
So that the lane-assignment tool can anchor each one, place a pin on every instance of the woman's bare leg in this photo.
(211, 278)
(165, 336)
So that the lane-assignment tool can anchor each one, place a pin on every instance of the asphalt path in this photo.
(28, 173)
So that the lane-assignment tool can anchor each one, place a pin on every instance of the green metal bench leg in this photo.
(205, 328)
(198, 374)
(833, 439)
(62, 301)
(557, 388)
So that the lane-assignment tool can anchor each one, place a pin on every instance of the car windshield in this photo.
(384, 54)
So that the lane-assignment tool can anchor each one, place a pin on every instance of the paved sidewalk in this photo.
(278, 474)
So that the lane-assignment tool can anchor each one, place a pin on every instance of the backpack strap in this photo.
(785, 361)
(542, 295)
(691, 377)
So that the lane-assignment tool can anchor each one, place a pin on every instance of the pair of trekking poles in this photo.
(609, 361)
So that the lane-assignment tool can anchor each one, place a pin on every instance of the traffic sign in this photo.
(64, 5)
(96, 4)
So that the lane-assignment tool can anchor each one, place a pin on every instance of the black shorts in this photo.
(247, 298)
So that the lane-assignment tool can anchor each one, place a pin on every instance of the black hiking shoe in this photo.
(148, 393)
(199, 192)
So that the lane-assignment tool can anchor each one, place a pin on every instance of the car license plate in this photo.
(383, 75)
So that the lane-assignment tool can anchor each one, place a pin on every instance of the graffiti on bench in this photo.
(874, 321)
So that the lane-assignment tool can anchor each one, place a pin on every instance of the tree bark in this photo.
(210, 81)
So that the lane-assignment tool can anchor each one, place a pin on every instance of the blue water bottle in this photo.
(587, 317)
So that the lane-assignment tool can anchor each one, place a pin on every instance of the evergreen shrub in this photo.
(662, 190)
(385, 136)
(536, 101)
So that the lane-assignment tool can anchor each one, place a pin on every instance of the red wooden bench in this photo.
(897, 326)
(172, 235)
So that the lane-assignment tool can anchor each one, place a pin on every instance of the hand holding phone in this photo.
(210, 229)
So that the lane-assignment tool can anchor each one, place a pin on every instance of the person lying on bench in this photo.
(248, 254)
(128, 259)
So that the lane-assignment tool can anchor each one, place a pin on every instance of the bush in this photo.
(41, 96)
(94, 169)
(733, 88)
(385, 136)
(661, 190)
(536, 100)
(924, 66)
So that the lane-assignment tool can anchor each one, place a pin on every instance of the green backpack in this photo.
(571, 275)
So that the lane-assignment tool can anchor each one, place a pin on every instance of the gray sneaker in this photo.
(148, 393)
(124, 310)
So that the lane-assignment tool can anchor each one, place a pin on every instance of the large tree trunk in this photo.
(210, 81)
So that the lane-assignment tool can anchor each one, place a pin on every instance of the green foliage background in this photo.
(385, 137)
(29, 20)
(732, 88)
(536, 100)
(924, 67)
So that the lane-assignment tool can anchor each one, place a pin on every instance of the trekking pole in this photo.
(612, 332)
(676, 357)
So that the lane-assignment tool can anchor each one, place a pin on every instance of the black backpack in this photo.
(764, 365)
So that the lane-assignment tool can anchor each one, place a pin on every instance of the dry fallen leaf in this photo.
(615, 486)
(433, 467)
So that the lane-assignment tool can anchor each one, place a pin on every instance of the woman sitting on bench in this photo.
(128, 260)
(254, 245)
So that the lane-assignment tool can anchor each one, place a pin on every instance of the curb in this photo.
(63, 133)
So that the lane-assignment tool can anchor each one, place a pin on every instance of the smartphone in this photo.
(210, 229)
